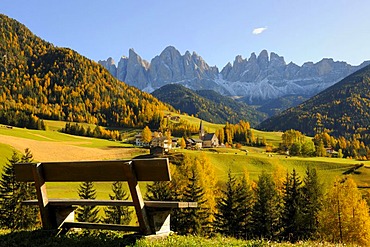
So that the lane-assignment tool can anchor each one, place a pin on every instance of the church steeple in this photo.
(201, 130)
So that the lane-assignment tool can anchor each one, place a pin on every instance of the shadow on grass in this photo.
(42, 238)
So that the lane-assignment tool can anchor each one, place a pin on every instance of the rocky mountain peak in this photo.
(252, 58)
(263, 59)
(258, 78)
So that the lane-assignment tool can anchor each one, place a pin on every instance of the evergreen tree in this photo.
(14, 215)
(266, 211)
(312, 196)
(160, 191)
(292, 216)
(194, 220)
(118, 214)
(234, 208)
(87, 213)
(226, 220)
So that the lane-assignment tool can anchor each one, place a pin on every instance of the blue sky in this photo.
(216, 30)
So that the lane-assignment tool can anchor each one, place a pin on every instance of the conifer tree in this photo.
(87, 213)
(118, 214)
(292, 215)
(194, 220)
(14, 215)
(160, 191)
(345, 215)
(266, 211)
(226, 220)
(234, 208)
(246, 202)
(312, 193)
(146, 135)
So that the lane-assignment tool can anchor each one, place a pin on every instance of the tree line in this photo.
(97, 132)
(323, 144)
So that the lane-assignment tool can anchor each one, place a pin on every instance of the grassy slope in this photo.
(68, 190)
(255, 162)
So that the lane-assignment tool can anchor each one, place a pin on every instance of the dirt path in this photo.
(59, 151)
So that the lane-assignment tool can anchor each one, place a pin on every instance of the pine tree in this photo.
(292, 216)
(266, 210)
(312, 196)
(160, 191)
(234, 208)
(87, 213)
(246, 202)
(14, 215)
(226, 220)
(118, 214)
(194, 220)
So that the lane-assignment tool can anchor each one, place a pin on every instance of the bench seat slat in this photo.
(98, 171)
(90, 202)
(114, 227)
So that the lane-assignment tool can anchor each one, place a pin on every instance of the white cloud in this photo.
(259, 30)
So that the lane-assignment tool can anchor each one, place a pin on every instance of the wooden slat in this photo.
(47, 219)
(170, 204)
(90, 202)
(100, 226)
(104, 171)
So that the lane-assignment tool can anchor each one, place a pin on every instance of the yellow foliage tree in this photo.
(345, 215)
(146, 134)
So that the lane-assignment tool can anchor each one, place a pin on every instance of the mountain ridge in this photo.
(343, 109)
(254, 80)
(208, 105)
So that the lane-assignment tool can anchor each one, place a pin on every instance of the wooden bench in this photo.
(153, 216)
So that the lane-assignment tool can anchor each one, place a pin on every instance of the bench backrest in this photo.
(115, 170)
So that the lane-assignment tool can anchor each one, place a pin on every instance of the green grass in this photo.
(237, 160)
(107, 238)
(257, 161)
(6, 152)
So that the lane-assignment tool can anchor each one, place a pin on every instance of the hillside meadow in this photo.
(52, 145)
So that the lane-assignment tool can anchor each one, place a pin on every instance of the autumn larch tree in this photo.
(345, 215)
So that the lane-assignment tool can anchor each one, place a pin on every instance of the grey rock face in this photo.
(257, 78)
(109, 65)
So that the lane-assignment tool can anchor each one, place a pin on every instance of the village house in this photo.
(210, 140)
(162, 142)
(139, 139)
(193, 143)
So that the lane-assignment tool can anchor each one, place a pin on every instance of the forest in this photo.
(41, 81)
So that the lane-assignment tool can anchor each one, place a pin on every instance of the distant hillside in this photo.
(44, 81)
(208, 105)
(343, 108)
(273, 107)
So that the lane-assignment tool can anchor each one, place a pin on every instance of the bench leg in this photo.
(159, 221)
(64, 214)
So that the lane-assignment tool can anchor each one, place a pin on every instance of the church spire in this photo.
(201, 130)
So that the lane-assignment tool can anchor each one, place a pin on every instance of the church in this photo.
(209, 140)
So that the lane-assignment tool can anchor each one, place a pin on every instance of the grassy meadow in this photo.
(251, 159)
